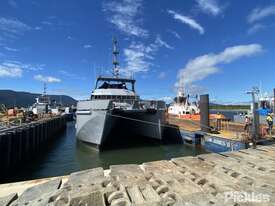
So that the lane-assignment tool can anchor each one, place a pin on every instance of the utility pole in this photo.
(255, 116)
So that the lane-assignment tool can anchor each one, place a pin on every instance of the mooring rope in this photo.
(155, 123)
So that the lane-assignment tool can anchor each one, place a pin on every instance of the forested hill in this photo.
(12, 98)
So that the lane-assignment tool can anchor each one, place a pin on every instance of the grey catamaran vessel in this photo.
(115, 106)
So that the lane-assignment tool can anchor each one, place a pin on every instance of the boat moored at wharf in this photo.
(115, 106)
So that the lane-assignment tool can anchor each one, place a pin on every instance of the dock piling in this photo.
(204, 113)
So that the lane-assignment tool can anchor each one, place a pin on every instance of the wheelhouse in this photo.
(114, 88)
(115, 83)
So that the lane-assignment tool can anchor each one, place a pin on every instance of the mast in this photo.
(45, 89)
(115, 58)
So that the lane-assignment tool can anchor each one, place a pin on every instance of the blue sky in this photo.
(220, 47)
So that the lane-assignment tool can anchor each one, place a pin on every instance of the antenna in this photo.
(115, 58)
(45, 89)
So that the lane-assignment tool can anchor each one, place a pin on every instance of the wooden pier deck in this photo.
(230, 130)
(209, 179)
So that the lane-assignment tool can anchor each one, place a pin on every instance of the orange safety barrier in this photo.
(197, 117)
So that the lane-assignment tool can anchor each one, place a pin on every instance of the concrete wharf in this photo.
(245, 177)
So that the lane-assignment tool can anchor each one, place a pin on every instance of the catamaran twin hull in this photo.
(96, 124)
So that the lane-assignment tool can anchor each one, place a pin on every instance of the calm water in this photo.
(67, 155)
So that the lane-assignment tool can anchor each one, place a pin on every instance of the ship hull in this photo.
(102, 127)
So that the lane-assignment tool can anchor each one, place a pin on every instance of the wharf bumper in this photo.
(246, 177)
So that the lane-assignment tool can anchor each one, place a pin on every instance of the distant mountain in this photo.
(24, 99)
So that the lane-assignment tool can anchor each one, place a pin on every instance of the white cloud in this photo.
(138, 56)
(209, 6)
(255, 28)
(175, 34)
(16, 68)
(194, 90)
(203, 66)
(28, 67)
(47, 79)
(187, 20)
(123, 14)
(260, 13)
(11, 28)
(11, 49)
(162, 43)
(10, 72)
(87, 46)
(162, 75)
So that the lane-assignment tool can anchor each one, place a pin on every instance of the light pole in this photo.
(255, 118)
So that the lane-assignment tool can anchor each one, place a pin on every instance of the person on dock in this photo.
(269, 120)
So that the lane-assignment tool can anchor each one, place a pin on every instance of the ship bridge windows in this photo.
(113, 97)
(106, 85)
(115, 83)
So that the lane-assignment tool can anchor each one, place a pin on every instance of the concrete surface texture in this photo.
(246, 177)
